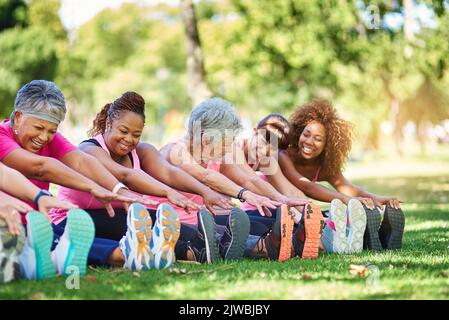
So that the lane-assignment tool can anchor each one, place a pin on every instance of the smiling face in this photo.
(312, 140)
(33, 133)
(259, 146)
(124, 133)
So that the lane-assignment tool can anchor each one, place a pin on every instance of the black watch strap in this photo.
(240, 195)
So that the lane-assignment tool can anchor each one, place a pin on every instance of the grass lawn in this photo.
(419, 271)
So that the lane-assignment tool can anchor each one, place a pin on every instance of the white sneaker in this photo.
(337, 214)
(135, 244)
(357, 225)
(74, 245)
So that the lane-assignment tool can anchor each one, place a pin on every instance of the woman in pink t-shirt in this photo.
(30, 144)
(12, 235)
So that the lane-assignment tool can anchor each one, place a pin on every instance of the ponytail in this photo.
(99, 124)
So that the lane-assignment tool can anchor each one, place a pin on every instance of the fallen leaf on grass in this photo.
(177, 271)
(444, 274)
(358, 270)
(306, 276)
(37, 295)
(90, 279)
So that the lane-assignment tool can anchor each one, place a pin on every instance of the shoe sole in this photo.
(287, 222)
(81, 230)
(11, 246)
(371, 240)
(396, 219)
(41, 239)
(139, 224)
(239, 227)
(357, 226)
(209, 228)
(168, 226)
(313, 223)
(338, 216)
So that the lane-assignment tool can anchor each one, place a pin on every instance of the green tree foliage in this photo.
(29, 48)
(26, 54)
(13, 13)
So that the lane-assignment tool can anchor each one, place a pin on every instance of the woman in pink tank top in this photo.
(320, 146)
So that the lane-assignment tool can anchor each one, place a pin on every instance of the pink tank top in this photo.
(247, 207)
(82, 199)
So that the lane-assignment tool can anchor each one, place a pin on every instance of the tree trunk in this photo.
(197, 87)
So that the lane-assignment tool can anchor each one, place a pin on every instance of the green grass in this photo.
(419, 271)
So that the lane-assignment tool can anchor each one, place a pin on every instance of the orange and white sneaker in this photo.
(313, 225)
(135, 244)
(165, 235)
(278, 241)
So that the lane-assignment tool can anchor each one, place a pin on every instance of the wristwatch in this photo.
(40, 194)
(240, 195)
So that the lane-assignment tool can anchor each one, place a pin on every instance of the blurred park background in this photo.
(383, 63)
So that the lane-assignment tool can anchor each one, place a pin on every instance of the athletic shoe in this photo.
(10, 248)
(165, 235)
(392, 228)
(35, 259)
(233, 242)
(337, 215)
(357, 225)
(371, 239)
(313, 225)
(74, 245)
(135, 244)
(207, 230)
(278, 241)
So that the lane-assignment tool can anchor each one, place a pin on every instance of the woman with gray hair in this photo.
(30, 144)
(203, 153)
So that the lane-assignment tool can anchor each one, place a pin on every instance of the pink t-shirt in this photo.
(56, 148)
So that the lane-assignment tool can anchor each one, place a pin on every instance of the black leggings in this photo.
(115, 228)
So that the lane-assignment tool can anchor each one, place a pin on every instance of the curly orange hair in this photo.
(339, 133)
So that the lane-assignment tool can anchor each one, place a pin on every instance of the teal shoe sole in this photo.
(209, 227)
(239, 226)
(81, 230)
(42, 240)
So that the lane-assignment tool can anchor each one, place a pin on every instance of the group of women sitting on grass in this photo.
(121, 202)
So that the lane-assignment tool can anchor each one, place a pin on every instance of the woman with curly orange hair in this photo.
(320, 145)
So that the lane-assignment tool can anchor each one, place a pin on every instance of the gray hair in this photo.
(214, 114)
(41, 99)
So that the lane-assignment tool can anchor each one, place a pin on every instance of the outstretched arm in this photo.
(343, 185)
(179, 156)
(153, 163)
(137, 180)
(313, 190)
